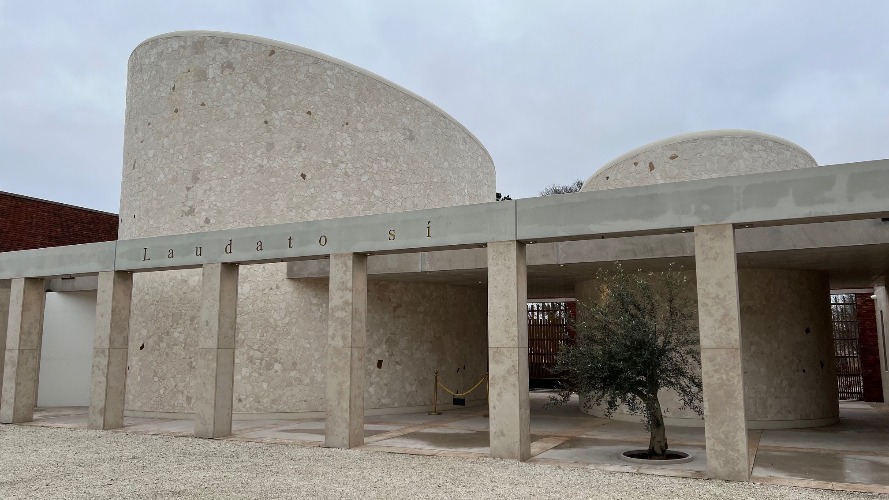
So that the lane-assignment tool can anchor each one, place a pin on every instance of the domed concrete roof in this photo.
(700, 155)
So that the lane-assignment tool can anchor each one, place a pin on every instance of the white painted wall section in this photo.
(69, 322)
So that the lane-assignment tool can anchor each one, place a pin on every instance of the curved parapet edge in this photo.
(318, 55)
(676, 139)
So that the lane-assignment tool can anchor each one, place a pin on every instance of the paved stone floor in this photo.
(852, 455)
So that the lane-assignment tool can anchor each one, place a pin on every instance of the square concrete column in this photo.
(509, 407)
(216, 351)
(347, 334)
(4, 320)
(108, 382)
(722, 371)
(24, 334)
(882, 312)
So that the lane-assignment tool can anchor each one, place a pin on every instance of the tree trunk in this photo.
(657, 446)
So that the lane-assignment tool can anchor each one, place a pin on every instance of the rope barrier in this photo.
(461, 394)
(438, 384)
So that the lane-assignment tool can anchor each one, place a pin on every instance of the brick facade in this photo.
(869, 348)
(32, 223)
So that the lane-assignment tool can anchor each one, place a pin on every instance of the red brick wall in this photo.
(31, 223)
(870, 349)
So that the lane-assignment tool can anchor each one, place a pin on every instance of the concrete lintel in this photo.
(460, 226)
(802, 196)
(663, 246)
(75, 284)
(69, 260)
(838, 192)
(419, 262)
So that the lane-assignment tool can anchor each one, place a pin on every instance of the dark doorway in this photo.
(549, 328)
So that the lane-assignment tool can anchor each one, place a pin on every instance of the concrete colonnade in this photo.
(719, 316)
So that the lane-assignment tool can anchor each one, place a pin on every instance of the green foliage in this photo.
(640, 337)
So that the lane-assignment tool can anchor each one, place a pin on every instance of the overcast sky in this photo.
(553, 89)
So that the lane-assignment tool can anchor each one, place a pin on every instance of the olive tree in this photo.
(638, 338)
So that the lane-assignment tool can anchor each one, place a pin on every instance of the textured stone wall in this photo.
(702, 155)
(418, 329)
(787, 340)
(220, 128)
(787, 349)
(227, 131)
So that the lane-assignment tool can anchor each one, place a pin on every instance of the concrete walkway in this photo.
(852, 455)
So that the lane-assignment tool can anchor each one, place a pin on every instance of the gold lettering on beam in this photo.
(259, 246)
(197, 251)
(228, 248)
(391, 234)
(145, 255)
(429, 229)
(322, 240)
(170, 254)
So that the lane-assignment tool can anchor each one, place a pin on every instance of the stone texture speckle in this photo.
(225, 131)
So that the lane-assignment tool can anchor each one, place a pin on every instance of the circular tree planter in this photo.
(641, 457)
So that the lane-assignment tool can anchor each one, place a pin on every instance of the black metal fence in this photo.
(846, 348)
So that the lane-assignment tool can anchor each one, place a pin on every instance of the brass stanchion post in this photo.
(435, 396)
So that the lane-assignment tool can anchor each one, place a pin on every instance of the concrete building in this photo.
(300, 236)
(70, 304)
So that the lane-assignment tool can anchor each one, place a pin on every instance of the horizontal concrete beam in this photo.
(660, 246)
(58, 261)
(451, 227)
(831, 193)
(812, 195)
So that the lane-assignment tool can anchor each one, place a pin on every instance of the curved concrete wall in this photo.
(701, 155)
(787, 346)
(227, 131)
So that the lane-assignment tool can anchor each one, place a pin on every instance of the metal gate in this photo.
(549, 327)
(846, 348)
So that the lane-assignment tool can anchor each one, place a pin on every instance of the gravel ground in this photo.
(68, 463)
